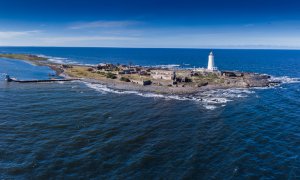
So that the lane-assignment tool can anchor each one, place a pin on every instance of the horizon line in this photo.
(118, 47)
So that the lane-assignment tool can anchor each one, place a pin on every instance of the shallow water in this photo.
(81, 130)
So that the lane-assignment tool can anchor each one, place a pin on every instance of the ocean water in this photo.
(88, 131)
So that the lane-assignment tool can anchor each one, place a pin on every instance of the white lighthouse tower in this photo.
(211, 62)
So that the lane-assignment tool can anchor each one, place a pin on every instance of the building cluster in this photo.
(123, 69)
(148, 75)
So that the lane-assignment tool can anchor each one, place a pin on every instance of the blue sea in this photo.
(76, 130)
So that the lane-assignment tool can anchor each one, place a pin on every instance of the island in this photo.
(153, 79)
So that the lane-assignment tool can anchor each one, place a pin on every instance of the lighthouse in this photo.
(211, 63)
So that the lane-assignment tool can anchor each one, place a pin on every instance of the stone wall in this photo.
(163, 74)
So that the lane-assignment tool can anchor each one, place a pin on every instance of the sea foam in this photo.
(61, 60)
(210, 100)
(285, 79)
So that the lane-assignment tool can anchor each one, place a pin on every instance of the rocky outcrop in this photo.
(239, 79)
(256, 80)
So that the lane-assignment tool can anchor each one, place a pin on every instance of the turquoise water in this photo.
(82, 130)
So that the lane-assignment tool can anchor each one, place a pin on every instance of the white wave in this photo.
(285, 79)
(2, 75)
(210, 107)
(59, 60)
(226, 94)
(209, 99)
(216, 100)
(262, 88)
(167, 66)
(100, 88)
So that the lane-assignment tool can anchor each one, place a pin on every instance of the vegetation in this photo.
(82, 72)
(111, 75)
(100, 72)
(202, 80)
(90, 69)
(124, 79)
(27, 57)
(85, 72)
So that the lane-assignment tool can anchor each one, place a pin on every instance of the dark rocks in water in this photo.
(257, 80)
(245, 79)
(66, 66)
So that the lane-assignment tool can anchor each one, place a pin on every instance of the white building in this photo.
(211, 63)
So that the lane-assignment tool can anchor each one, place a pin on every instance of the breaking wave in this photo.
(285, 79)
(2, 75)
(211, 99)
(61, 60)
(170, 66)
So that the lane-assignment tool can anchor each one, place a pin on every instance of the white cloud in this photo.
(86, 38)
(103, 24)
(14, 34)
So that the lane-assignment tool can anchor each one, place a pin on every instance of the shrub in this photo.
(186, 79)
(90, 69)
(111, 75)
(124, 79)
(102, 73)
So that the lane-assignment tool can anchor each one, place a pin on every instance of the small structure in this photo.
(141, 82)
(106, 67)
(127, 71)
(163, 74)
(143, 73)
(232, 74)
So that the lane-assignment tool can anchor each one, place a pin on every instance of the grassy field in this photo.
(137, 77)
(83, 72)
(23, 57)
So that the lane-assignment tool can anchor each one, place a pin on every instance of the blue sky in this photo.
(153, 23)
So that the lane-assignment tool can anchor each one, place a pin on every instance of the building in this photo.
(106, 67)
(211, 63)
(232, 74)
(127, 71)
(163, 74)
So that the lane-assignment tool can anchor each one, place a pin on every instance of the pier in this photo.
(9, 79)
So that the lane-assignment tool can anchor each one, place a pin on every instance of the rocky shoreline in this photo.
(252, 80)
(155, 80)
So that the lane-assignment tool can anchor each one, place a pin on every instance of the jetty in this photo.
(9, 79)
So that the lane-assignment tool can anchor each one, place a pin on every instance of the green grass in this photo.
(27, 57)
(111, 75)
